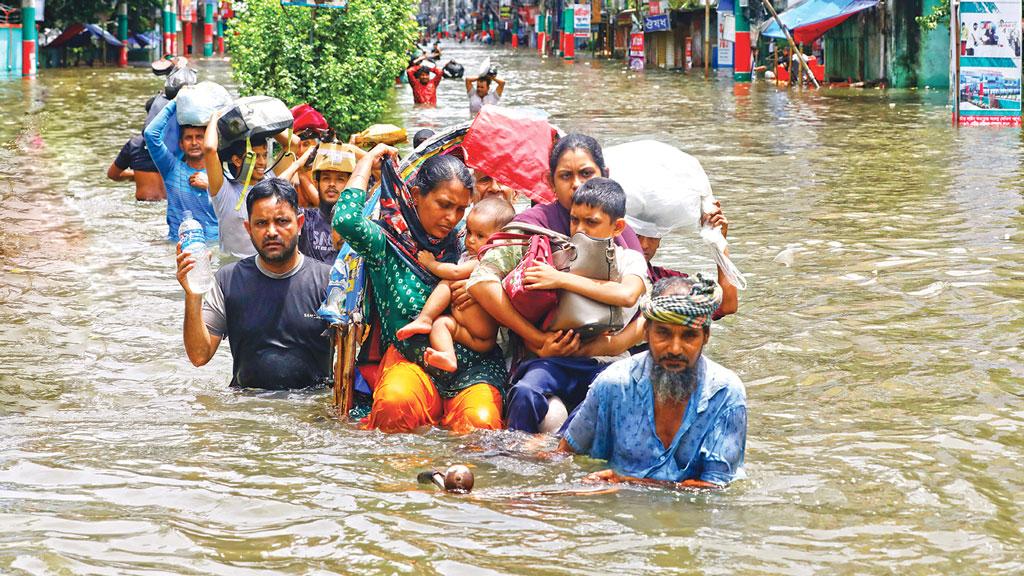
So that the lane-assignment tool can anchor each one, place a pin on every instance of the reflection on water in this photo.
(879, 340)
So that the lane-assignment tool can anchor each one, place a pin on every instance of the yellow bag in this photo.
(382, 134)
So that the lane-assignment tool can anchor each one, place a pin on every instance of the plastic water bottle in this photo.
(193, 241)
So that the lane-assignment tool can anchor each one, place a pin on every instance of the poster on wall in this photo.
(990, 58)
(726, 38)
(581, 20)
(636, 51)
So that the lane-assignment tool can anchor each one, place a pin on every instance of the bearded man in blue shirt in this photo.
(668, 415)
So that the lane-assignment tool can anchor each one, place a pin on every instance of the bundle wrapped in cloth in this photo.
(667, 190)
(381, 134)
(197, 103)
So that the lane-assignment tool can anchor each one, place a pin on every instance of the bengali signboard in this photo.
(657, 23)
(989, 55)
(636, 51)
(581, 20)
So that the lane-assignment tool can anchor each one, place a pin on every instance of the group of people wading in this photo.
(451, 348)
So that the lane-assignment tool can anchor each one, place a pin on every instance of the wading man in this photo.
(670, 415)
(265, 305)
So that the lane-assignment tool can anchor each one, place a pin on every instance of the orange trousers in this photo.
(404, 399)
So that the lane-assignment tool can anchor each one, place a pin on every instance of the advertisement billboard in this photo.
(989, 58)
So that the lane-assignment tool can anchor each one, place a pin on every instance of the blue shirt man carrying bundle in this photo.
(669, 414)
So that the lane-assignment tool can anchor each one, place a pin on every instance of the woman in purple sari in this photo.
(575, 159)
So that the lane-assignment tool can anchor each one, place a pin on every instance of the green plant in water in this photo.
(939, 15)
(342, 62)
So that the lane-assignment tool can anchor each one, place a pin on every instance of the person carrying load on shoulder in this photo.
(244, 167)
(333, 164)
(184, 175)
(478, 88)
(423, 218)
(670, 415)
(469, 326)
(266, 304)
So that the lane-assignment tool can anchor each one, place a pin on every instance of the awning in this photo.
(77, 35)
(810, 19)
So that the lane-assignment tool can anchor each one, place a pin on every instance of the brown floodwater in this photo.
(879, 340)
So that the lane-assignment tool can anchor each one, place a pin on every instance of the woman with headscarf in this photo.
(424, 217)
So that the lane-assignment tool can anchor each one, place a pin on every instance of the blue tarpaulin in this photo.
(810, 19)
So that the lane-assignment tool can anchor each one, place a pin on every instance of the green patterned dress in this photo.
(399, 297)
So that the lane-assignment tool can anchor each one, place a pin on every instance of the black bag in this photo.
(255, 117)
(453, 70)
(178, 78)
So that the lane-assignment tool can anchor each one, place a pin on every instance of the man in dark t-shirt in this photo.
(265, 305)
(134, 163)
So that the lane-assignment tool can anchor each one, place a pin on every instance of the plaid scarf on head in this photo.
(693, 309)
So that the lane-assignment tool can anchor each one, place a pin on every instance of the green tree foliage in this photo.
(342, 62)
(938, 15)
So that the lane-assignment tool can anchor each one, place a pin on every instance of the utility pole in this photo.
(122, 32)
(28, 38)
(208, 28)
(707, 39)
(741, 64)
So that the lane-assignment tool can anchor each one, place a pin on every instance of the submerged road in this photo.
(879, 338)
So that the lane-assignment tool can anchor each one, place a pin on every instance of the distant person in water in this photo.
(670, 415)
(134, 164)
(423, 80)
(265, 304)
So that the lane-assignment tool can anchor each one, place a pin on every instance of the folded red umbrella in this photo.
(512, 146)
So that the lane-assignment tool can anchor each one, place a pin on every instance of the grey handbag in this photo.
(593, 258)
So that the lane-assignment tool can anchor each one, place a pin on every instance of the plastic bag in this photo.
(178, 79)
(196, 104)
(512, 145)
(667, 190)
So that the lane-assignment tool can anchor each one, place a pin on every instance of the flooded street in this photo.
(880, 340)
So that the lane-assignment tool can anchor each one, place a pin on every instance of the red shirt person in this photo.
(423, 81)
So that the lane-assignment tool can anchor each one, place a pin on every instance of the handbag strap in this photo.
(499, 239)
(531, 229)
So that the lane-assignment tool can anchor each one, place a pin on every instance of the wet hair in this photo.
(438, 169)
(496, 210)
(602, 193)
(272, 187)
(422, 136)
(575, 141)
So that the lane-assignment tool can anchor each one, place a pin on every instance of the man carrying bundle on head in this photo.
(333, 165)
(183, 175)
(670, 415)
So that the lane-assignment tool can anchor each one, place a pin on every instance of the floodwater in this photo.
(879, 339)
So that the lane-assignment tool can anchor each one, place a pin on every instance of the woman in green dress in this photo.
(405, 395)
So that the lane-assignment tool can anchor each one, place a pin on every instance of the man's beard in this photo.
(674, 386)
(286, 252)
